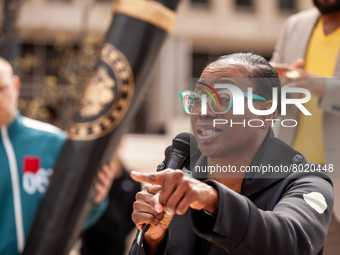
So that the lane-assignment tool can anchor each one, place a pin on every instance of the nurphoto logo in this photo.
(237, 97)
(238, 100)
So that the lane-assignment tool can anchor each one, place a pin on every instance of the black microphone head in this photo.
(162, 165)
(167, 153)
(186, 143)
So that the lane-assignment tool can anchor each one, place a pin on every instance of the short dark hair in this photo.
(265, 76)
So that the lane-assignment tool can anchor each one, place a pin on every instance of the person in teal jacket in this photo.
(29, 150)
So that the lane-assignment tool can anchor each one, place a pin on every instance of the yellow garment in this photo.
(320, 59)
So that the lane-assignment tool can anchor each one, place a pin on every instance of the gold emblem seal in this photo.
(106, 98)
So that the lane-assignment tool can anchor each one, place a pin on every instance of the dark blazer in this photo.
(274, 214)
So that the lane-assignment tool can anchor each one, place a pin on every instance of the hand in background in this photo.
(294, 76)
(105, 177)
(283, 69)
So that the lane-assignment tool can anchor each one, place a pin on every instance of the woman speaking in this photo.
(282, 207)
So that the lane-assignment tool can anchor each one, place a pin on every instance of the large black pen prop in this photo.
(110, 101)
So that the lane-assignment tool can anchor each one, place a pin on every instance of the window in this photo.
(244, 5)
(200, 3)
(40, 61)
(200, 61)
(52, 60)
(27, 62)
(287, 5)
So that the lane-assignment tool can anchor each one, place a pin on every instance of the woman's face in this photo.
(224, 139)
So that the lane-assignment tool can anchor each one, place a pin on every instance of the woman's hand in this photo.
(178, 192)
(144, 212)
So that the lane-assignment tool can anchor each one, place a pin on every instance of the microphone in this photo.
(177, 156)
(184, 145)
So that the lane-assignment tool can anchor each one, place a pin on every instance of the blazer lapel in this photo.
(337, 67)
(298, 33)
(308, 28)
